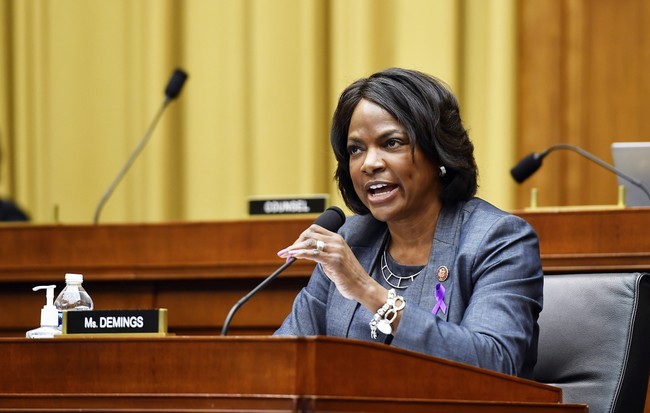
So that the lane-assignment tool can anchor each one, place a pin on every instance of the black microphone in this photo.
(531, 163)
(172, 90)
(331, 219)
(175, 84)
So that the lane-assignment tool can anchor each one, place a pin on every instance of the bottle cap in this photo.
(49, 313)
(75, 278)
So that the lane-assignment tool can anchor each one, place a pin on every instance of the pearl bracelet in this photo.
(385, 316)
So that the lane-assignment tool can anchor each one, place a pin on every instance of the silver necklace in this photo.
(394, 280)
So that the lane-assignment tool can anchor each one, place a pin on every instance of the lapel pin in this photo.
(442, 273)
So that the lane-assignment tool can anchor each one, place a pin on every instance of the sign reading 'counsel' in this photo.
(281, 206)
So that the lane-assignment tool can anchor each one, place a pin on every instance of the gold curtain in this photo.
(82, 79)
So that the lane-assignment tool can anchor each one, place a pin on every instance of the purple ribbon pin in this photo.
(440, 300)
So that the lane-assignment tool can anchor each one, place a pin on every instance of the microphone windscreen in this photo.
(175, 84)
(331, 219)
(526, 167)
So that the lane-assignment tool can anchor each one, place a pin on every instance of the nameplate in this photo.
(287, 206)
(115, 322)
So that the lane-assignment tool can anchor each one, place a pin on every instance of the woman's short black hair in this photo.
(428, 111)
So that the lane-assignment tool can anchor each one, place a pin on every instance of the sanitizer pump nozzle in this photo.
(49, 316)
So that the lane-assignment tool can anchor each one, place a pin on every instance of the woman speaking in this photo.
(423, 264)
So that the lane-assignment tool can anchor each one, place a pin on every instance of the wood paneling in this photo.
(238, 373)
(598, 240)
(583, 79)
(198, 271)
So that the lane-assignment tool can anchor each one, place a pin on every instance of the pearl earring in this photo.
(443, 172)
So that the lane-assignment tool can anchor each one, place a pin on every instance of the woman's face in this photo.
(391, 183)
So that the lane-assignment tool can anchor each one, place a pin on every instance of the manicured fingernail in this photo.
(281, 252)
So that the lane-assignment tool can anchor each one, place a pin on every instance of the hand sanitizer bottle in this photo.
(49, 316)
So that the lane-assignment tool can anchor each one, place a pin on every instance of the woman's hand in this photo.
(339, 264)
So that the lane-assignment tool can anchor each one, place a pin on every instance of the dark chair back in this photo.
(594, 339)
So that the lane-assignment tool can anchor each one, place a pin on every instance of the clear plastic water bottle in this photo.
(73, 297)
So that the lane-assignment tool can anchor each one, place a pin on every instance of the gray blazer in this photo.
(493, 293)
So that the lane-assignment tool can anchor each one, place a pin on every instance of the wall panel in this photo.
(582, 80)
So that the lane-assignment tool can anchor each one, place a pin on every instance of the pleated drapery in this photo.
(80, 81)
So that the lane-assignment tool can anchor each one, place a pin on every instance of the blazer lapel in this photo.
(423, 291)
(442, 260)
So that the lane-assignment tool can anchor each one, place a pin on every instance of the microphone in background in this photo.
(172, 90)
(175, 84)
(531, 163)
(331, 219)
